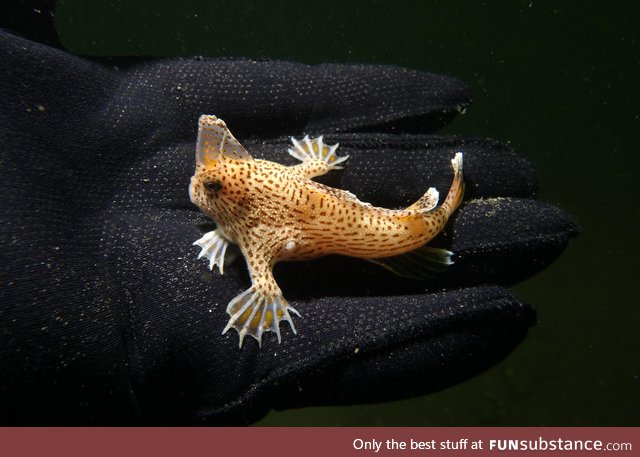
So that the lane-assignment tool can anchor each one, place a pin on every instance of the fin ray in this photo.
(308, 149)
(252, 313)
(214, 246)
(216, 142)
(423, 263)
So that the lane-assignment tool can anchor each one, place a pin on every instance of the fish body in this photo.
(277, 213)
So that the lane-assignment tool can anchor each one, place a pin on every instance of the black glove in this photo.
(108, 316)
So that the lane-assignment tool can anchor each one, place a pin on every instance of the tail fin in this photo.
(423, 262)
(456, 192)
(429, 200)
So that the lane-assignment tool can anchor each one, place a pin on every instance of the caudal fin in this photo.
(429, 200)
(456, 192)
(423, 262)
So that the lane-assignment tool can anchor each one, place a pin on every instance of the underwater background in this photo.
(556, 80)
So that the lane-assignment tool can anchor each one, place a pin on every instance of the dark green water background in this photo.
(558, 81)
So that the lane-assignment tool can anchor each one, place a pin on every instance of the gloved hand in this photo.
(108, 316)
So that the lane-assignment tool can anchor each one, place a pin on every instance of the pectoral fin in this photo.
(252, 313)
(317, 158)
(214, 245)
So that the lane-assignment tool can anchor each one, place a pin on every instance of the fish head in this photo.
(220, 190)
(218, 186)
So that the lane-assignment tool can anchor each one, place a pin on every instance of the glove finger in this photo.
(160, 101)
(269, 98)
(371, 349)
(505, 240)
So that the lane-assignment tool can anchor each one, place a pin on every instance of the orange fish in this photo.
(276, 213)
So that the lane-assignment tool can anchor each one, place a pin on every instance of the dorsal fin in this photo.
(216, 142)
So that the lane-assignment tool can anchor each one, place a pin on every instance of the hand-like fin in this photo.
(216, 142)
(214, 245)
(253, 313)
(315, 151)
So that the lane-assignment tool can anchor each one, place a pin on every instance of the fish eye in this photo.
(213, 186)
